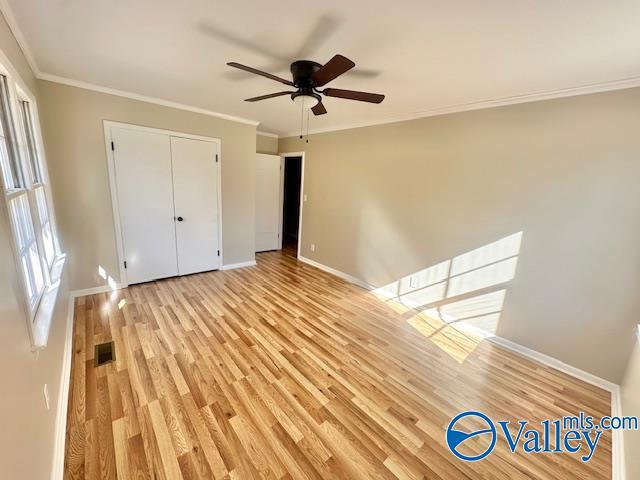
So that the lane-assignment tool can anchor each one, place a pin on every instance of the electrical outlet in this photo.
(46, 396)
(413, 281)
(304, 199)
(313, 247)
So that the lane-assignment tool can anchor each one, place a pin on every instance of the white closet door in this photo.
(195, 185)
(267, 202)
(145, 203)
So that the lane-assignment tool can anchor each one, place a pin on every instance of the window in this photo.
(31, 151)
(26, 194)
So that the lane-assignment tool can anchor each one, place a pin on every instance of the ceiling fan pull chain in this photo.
(307, 126)
(301, 120)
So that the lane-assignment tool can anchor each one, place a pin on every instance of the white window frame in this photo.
(14, 194)
(29, 137)
(38, 308)
(14, 167)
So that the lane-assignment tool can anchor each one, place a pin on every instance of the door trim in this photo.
(283, 156)
(113, 190)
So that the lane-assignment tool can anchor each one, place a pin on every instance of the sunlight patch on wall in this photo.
(493, 252)
(484, 277)
(458, 301)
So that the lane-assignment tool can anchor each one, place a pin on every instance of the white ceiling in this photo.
(425, 55)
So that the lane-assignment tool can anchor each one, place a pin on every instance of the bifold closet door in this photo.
(145, 203)
(195, 193)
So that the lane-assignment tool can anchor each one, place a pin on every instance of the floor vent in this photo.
(104, 354)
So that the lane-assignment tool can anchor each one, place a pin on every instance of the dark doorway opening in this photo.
(291, 203)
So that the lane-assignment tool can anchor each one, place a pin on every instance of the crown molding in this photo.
(622, 84)
(268, 134)
(7, 13)
(143, 98)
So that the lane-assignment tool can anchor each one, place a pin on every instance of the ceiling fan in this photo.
(307, 78)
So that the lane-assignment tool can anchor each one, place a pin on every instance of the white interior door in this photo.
(145, 203)
(195, 193)
(267, 202)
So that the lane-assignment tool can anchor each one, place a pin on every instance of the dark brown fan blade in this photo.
(353, 95)
(260, 72)
(264, 97)
(332, 69)
(319, 109)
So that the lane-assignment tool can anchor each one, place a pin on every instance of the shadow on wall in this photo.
(457, 303)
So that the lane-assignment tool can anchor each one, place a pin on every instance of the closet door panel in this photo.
(195, 185)
(145, 203)
(268, 207)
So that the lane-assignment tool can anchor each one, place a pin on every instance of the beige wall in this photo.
(389, 200)
(74, 137)
(631, 406)
(266, 144)
(28, 428)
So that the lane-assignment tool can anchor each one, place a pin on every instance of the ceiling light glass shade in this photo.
(306, 101)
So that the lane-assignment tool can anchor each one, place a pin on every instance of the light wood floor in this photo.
(283, 371)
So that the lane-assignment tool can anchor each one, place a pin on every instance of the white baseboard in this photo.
(617, 460)
(95, 290)
(231, 266)
(617, 442)
(57, 469)
(118, 286)
(557, 364)
(337, 273)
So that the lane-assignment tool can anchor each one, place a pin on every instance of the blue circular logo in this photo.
(455, 438)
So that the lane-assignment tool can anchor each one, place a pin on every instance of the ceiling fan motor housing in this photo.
(302, 72)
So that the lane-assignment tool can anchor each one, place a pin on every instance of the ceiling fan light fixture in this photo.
(306, 102)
